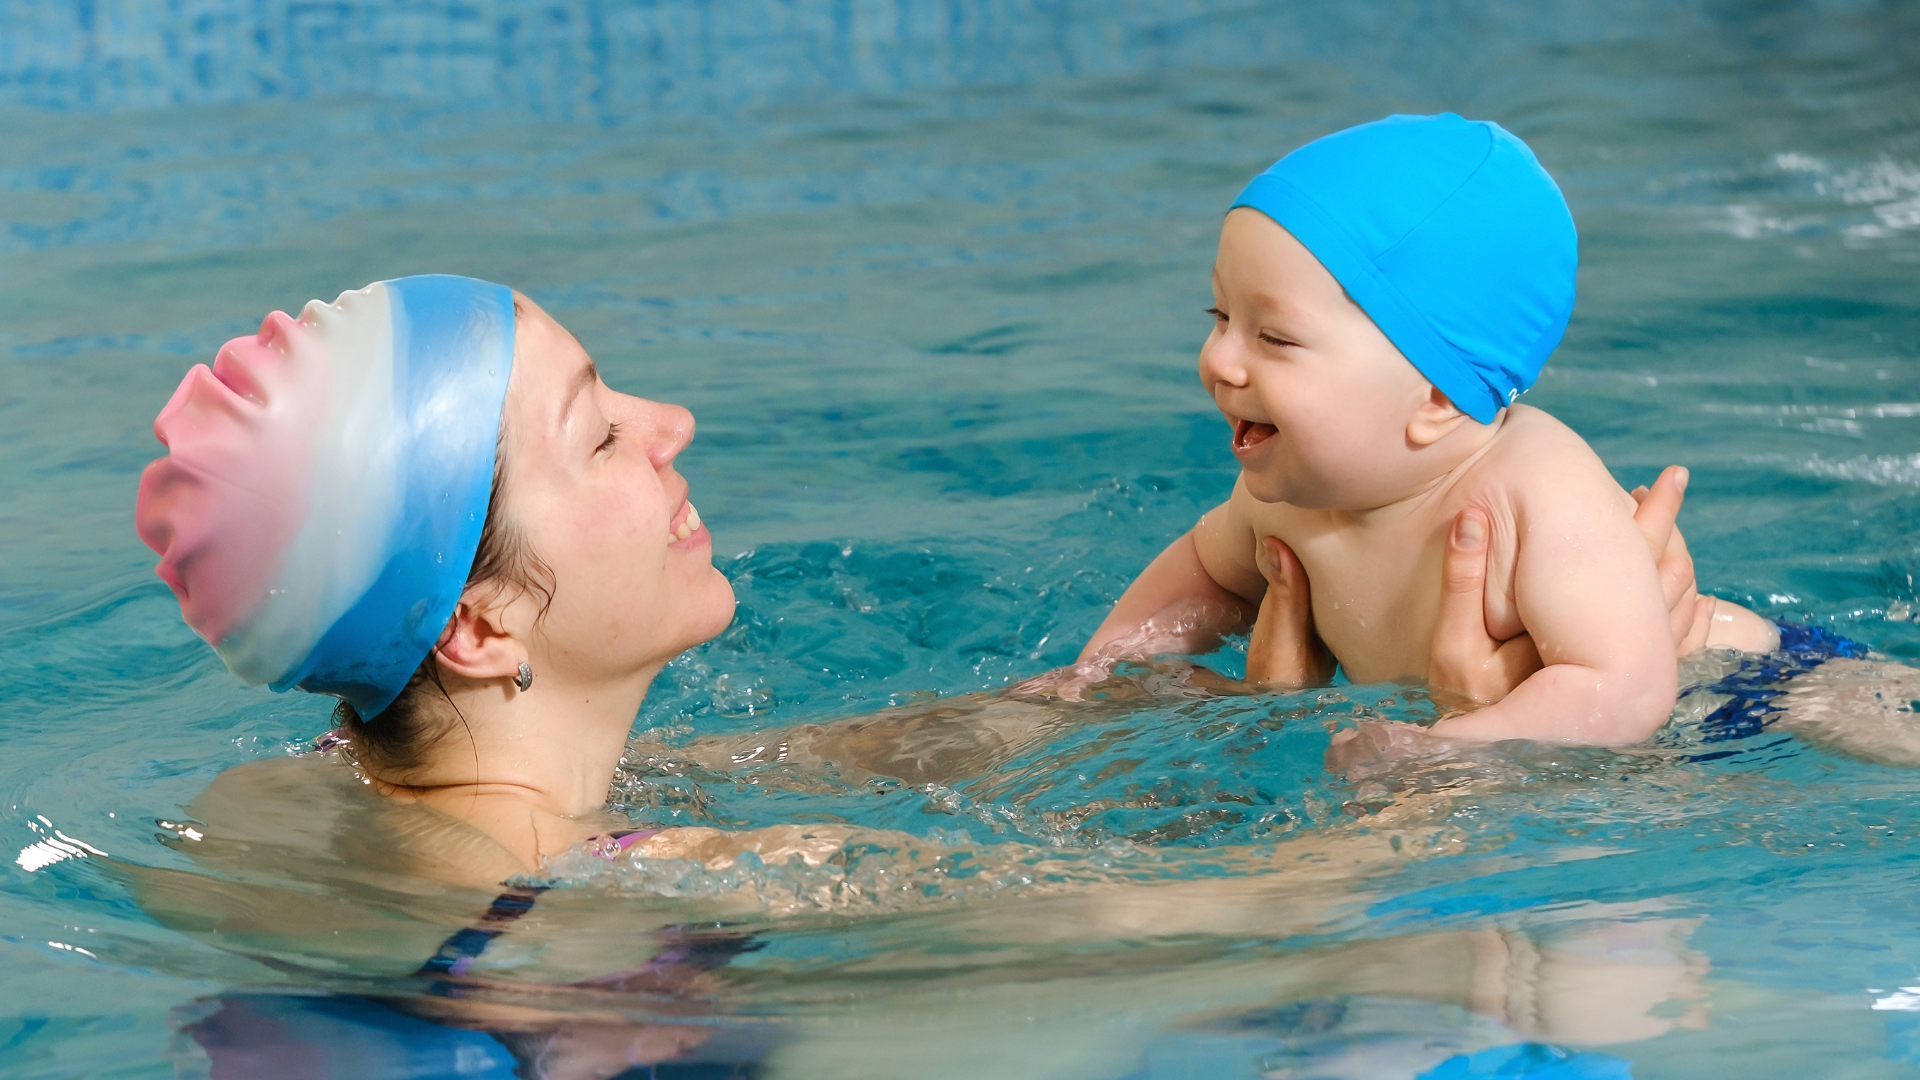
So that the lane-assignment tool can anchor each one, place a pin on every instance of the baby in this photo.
(1381, 297)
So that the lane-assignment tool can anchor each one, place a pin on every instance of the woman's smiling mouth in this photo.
(686, 526)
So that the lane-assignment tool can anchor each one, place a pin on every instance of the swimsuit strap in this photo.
(613, 844)
(457, 953)
(463, 946)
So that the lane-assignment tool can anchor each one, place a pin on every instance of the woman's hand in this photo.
(1690, 614)
(1465, 661)
(1284, 650)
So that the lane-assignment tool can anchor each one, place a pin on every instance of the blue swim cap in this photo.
(1449, 234)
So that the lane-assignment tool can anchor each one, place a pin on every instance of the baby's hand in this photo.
(1284, 650)
(1069, 683)
(1185, 626)
(1376, 748)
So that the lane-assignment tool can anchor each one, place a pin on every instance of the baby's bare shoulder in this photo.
(1528, 431)
(1536, 462)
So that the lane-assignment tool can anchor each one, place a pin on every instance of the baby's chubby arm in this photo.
(1587, 592)
(1203, 585)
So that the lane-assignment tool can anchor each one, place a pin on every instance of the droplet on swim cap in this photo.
(1449, 234)
(326, 482)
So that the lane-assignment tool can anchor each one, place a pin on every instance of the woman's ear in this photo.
(1435, 418)
(475, 644)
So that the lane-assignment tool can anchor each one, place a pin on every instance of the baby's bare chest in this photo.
(1377, 589)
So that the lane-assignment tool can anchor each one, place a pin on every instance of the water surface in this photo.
(930, 276)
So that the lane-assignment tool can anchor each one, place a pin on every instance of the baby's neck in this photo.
(1433, 470)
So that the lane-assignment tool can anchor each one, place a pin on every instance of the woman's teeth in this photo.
(689, 524)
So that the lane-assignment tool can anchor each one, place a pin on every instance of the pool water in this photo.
(931, 278)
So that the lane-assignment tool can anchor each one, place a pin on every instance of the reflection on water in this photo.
(1275, 948)
(356, 1038)
(1300, 943)
(930, 275)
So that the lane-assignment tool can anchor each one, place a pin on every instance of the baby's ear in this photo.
(1434, 418)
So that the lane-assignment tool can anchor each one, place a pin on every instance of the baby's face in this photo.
(1319, 399)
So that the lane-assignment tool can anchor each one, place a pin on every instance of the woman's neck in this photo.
(514, 761)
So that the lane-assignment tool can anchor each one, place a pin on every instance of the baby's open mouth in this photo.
(1248, 434)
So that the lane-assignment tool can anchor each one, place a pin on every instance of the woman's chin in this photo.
(713, 610)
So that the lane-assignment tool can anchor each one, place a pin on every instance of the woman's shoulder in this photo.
(317, 805)
(317, 813)
(269, 797)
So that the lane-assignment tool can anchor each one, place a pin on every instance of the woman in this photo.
(395, 500)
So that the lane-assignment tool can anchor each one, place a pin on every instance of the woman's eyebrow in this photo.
(583, 378)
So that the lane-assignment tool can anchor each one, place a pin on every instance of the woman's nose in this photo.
(672, 428)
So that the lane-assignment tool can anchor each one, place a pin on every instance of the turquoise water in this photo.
(930, 276)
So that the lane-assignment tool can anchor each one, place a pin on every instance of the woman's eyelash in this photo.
(1217, 314)
(613, 432)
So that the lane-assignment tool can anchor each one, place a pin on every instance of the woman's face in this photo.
(590, 487)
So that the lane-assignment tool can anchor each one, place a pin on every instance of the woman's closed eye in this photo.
(1218, 315)
(613, 433)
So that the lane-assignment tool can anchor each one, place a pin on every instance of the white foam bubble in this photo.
(1886, 470)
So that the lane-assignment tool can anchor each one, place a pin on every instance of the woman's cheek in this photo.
(618, 532)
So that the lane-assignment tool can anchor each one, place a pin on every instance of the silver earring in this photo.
(524, 680)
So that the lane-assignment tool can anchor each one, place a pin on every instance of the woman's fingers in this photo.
(1281, 566)
(1655, 517)
(1689, 617)
(1700, 624)
(1460, 640)
(1283, 649)
(1660, 506)
(1464, 658)
(1683, 597)
(1267, 558)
